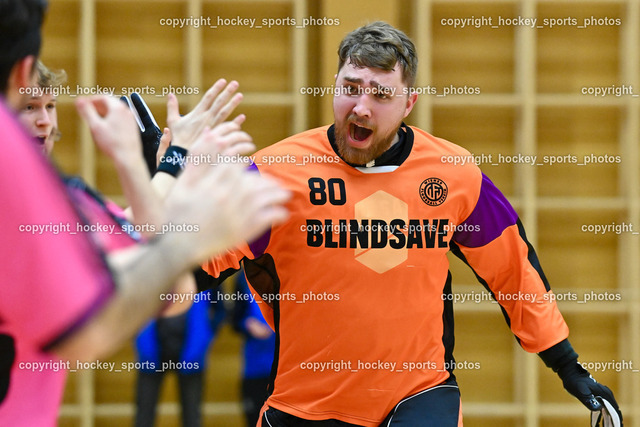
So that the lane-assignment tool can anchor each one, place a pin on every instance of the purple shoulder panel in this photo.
(259, 245)
(491, 216)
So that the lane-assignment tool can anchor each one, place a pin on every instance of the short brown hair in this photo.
(379, 45)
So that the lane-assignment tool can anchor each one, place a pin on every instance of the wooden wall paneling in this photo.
(629, 183)
(351, 15)
(530, 102)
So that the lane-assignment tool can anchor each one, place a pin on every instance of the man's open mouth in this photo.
(359, 133)
(41, 139)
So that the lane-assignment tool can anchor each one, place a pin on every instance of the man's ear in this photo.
(411, 101)
(20, 77)
(22, 72)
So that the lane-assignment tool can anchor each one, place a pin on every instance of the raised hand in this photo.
(227, 204)
(226, 139)
(214, 108)
(112, 126)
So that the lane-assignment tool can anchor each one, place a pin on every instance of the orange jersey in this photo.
(356, 283)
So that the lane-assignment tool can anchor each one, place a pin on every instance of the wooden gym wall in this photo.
(493, 81)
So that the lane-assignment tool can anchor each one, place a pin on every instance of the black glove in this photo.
(563, 359)
(580, 383)
(149, 130)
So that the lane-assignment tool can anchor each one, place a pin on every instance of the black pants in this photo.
(148, 390)
(438, 406)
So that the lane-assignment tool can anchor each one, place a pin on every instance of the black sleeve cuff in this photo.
(559, 355)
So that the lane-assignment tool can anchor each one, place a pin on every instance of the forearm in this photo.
(162, 183)
(141, 274)
(225, 205)
(494, 244)
(145, 205)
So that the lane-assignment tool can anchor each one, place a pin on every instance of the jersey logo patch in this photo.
(433, 191)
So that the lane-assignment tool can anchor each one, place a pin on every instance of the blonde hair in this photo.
(48, 77)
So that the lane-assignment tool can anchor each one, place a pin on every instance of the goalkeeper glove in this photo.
(149, 130)
(597, 397)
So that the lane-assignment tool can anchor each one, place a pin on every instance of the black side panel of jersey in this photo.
(448, 337)
(263, 278)
(204, 281)
(532, 256)
(7, 357)
(457, 252)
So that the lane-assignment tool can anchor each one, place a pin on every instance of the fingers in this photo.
(210, 96)
(234, 139)
(225, 103)
(219, 103)
(112, 126)
(224, 128)
(165, 141)
(227, 139)
(215, 106)
(602, 392)
(239, 119)
(607, 416)
(268, 200)
(235, 205)
(94, 109)
(592, 403)
(87, 111)
(173, 110)
(256, 196)
(104, 104)
(239, 149)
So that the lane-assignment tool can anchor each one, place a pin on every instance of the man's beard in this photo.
(358, 156)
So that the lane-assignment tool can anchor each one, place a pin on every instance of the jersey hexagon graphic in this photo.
(381, 206)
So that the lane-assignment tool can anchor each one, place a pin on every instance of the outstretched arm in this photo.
(494, 244)
(226, 204)
(116, 134)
